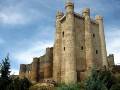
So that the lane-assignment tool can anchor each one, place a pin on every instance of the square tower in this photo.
(79, 45)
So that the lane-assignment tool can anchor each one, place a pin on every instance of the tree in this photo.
(5, 68)
(5, 72)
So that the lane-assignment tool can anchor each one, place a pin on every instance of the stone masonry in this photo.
(79, 46)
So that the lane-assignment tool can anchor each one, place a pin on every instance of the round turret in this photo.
(86, 11)
(59, 14)
(98, 17)
(69, 7)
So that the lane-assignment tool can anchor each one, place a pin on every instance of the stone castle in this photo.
(79, 46)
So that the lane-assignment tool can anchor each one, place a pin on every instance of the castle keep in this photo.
(79, 46)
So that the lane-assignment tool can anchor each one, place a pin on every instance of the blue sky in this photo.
(27, 27)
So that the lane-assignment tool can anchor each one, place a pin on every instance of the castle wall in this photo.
(41, 67)
(80, 43)
(48, 63)
(96, 44)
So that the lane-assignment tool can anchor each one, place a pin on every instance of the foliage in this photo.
(100, 80)
(115, 87)
(69, 87)
(19, 84)
(94, 83)
(4, 82)
(5, 68)
(107, 78)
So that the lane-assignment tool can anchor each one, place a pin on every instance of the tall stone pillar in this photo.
(35, 70)
(88, 39)
(99, 19)
(57, 49)
(69, 46)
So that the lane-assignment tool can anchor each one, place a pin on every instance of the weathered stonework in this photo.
(79, 46)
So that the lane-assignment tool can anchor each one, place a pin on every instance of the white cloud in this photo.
(113, 43)
(37, 49)
(12, 18)
(18, 13)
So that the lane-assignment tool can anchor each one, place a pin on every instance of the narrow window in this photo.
(64, 48)
(63, 33)
(96, 51)
(93, 35)
(82, 48)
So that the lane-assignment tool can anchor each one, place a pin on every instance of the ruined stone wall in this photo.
(40, 68)
(25, 71)
(110, 59)
(28, 71)
(22, 70)
(48, 63)
(35, 69)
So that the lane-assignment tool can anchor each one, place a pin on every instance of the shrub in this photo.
(115, 87)
(100, 80)
(69, 87)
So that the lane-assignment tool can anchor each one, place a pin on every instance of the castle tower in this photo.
(57, 49)
(88, 39)
(79, 46)
(34, 70)
(68, 47)
(99, 19)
